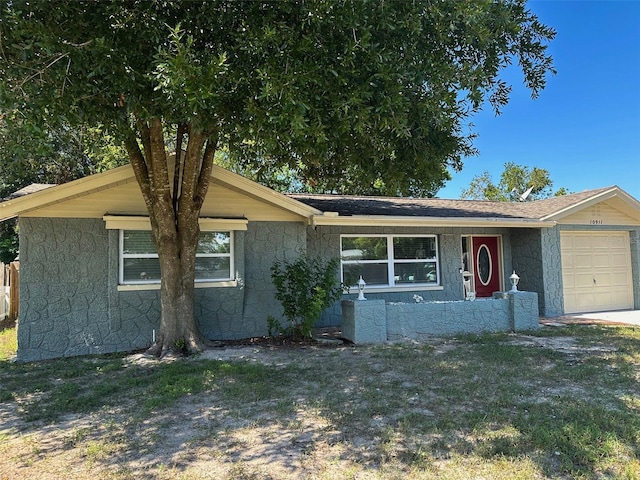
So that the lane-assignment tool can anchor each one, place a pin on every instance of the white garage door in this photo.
(596, 271)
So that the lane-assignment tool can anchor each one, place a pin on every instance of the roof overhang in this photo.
(379, 220)
(25, 204)
(77, 188)
(630, 205)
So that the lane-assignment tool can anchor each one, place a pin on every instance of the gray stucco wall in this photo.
(70, 303)
(324, 241)
(64, 307)
(526, 248)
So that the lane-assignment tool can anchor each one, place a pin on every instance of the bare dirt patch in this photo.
(385, 417)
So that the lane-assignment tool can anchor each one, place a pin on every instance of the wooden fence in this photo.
(9, 288)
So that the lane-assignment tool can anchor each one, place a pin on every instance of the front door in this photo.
(486, 263)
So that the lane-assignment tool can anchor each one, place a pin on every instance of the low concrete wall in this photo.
(374, 321)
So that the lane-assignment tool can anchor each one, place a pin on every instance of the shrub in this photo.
(305, 288)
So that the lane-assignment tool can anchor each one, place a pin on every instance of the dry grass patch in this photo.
(560, 403)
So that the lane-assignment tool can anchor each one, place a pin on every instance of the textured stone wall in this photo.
(70, 303)
(266, 242)
(364, 322)
(420, 321)
(553, 289)
(324, 241)
(526, 248)
(368, 322)
(64, 309)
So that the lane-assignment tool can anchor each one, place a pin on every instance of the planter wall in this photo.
(374, 321)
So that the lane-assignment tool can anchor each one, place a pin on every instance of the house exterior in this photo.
(90, 284)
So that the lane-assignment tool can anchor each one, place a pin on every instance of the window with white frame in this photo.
(390, 260)
(139, 263)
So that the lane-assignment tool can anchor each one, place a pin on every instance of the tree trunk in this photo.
(178, 329)
(174, 206)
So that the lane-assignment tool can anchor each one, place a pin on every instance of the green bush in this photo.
(305, 288)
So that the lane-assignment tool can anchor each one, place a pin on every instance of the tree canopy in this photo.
(354, 95)
(517, 183)
(31, 153)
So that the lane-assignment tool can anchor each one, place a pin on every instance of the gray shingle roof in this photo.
(347, 205)
(33, 188)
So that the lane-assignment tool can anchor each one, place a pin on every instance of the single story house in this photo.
(89, 281)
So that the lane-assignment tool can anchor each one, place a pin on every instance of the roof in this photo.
(361, 209)
(115, 192)
(29, 189)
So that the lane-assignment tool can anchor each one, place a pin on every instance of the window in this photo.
(390, 261)
(139, 262)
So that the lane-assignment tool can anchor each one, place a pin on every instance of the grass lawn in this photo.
(563, 402)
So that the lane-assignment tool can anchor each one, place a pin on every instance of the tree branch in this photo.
(191, 169)
(139, 168)
(205, 170)
(177, 167)
(159, 172)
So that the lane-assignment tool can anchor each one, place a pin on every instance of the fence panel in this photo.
(14, 289)
(4, 302)
(9, 290)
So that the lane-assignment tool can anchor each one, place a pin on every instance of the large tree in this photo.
(370, 94)
(517, 183)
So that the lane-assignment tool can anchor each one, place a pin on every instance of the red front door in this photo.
(486, 263)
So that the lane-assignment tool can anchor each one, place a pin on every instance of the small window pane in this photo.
(364, 248)
(140, 270)
(213, 268)
(414, 247)
(214, 242)
(419, 272)
(136, 242)
(372, 273)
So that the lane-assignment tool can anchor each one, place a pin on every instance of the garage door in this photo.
(596, 271)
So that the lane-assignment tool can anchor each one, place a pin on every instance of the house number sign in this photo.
(595, 222)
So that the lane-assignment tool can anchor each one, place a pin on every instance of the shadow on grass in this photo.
(396, 406)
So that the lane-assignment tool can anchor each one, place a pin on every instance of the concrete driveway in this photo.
(631, 317)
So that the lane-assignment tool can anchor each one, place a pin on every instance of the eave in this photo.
(386, 221)
(75, 189)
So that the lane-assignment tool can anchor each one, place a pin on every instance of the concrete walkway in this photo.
(626, 317)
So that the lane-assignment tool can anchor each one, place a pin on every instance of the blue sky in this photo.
(584, 128)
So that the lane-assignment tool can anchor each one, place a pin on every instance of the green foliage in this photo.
(515, 181)
(180, 346)
(360, 97)
(8, 241)
(305, 288)
(52, 154)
